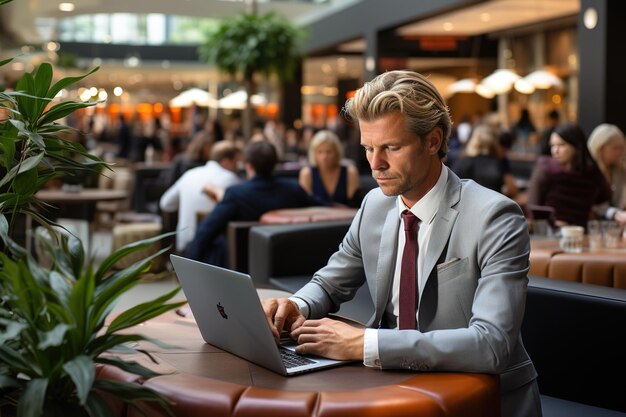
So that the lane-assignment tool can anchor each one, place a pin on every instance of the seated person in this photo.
(246, 202)
(186, 196)
(197, 153)
(569, 180)
(607, 146)
(326, 178)
(483, 162)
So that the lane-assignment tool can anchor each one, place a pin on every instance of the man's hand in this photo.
(282, 313)
(329, 338)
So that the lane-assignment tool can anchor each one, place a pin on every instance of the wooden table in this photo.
(80, 204)
(204, 380)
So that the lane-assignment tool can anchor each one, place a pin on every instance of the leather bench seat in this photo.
(437, 394)
(600, 268)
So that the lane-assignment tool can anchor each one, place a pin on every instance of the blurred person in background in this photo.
(569, 181)
(327, 179)
(186, 196)
(483, 161)
(544, 137)
(197, 153)
(607, 146)
(247, 201)
(525, 134)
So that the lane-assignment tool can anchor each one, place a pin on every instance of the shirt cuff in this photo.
(303, 306)
(611, 212)
(370, 349)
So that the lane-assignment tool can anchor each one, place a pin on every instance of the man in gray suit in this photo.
(471, 266)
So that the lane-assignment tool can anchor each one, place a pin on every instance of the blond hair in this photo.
(325, 136)
(409, 93)
(600, 136)
(483, 141)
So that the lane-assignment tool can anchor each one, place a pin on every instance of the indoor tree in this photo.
(250, 44)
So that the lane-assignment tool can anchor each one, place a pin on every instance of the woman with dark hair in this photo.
(568, 181)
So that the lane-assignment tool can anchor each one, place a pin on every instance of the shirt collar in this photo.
(426, 208)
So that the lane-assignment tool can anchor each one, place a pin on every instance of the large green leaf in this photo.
(145, 311)
(124, 251)
(42, 79)
(66, 82)
(97, 407)
(10, 330)
(83, 373)
(26, 103)
(128, 366)
(54, 337)
(33, 398)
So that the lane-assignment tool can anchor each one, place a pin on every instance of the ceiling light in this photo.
(543, 79)
(118, 91)
(66, 7)
(501, 80)
(465, 85)
(484, 91)
(524, 87)
(590, 18)
(448, 26)
(485, 17)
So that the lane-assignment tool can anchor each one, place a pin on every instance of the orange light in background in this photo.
(350, 94)
(158, 108)
(331, 111)
(145, 111)
(175, 115)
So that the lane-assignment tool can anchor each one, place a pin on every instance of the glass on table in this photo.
(595, 233)
(572, 238)
(612, 232)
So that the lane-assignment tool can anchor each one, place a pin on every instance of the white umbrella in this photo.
(194, 96)
(543, 79)
(237, 100)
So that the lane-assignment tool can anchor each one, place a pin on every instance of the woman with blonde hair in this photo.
(607, 146)
(327, 179)
(483, 161)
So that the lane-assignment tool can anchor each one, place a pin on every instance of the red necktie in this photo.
(408, 272)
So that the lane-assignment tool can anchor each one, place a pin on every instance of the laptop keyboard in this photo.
(292, 359)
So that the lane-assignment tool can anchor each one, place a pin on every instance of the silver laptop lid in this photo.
(228, 312)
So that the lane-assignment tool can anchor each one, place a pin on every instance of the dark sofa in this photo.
(574, 333)
(286, 256)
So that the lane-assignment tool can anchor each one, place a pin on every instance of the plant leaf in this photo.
(97, 407)
(54, 337)
(145, 311)
(129, 366)
(11, 329)
(83, 373)
(8, 382)
(32, 399)
(65, 82)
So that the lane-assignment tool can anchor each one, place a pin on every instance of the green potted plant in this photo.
(53, 329)
(250, 44)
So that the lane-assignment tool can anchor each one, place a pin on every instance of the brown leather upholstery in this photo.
(540, 261)
(590, 268)
(598, 267)
(308, 215)
(431, 394)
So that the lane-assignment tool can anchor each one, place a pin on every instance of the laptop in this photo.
(229, 314)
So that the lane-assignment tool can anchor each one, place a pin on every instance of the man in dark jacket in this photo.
(246, 202)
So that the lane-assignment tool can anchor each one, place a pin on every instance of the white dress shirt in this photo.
(425, 210)
(186, 196)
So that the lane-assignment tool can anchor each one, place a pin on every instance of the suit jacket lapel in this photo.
(442, 226)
